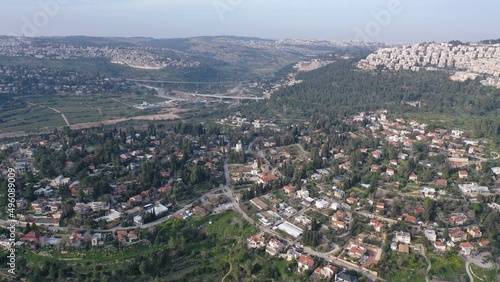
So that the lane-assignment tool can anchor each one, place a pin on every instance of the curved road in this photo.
(326, 256)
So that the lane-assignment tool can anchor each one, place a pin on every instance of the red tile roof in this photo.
(307, 260)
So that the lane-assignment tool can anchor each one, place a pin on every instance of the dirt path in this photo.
(495, 153)
(62, 114)
(92, 107)
(122, 102)
(230, 269)
(165, 116)
(115, 121)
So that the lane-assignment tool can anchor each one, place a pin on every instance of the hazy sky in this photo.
(368, 20)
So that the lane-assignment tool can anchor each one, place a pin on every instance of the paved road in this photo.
(327, 255)
(467, 267)
(422, 252)
(183, 82)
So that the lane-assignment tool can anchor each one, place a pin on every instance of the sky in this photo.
(389, 21)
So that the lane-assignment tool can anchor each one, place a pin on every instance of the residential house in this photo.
(441, 182)
(338, 193)
(439, 246)
(404, 249)
(305, 263)
(458, 219)
(376, 154)
(410, 219)
(31, 237)
(380, 206)
(124, 236)
(292, 254)
(356, 251)
(164, 189)
(267, 179)
(473, 188)
(322, 204)
(255, 242)
(403, 237)
(474, 231)
(325, 272)
(344, 277)
(430, 235)
(413, 177)
(374, 167)
(97, 239)
(484, 243)
(457, 235)
(428, 192)
(376, 225)
(335, 206)
(340, 215)
(289, 189)
(339, 224)
(389, 171)
(274, 247)
(462, 174)
(351, 200)
(466, 248)
(135, 199)
(302, 193)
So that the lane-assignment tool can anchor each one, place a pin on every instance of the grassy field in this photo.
(77, 109)
(205, 249)
(447, 267)
(409, 268)
(485, 274)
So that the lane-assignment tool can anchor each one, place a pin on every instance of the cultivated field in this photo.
(44, 113)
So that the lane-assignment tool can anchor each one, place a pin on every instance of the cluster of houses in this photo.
(136, 57)
(305, 263)
(15, 79)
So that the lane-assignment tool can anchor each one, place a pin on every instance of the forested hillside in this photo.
(340, 89)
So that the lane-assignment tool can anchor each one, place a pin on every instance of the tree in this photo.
(143, 267)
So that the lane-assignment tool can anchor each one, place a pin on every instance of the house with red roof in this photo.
(413, 177)
(439, 246)
(474, 231)
(135, 199)
(484, 243)
(466, 248)
(339, 224)
(305, 263)
(374, 167)
(380, 206)
(351, 200)
(31, 237)
(267, 179)
(376, 225)
(463, 174)
(441, 182)
(389, 171)
(289, 189)
(165, 189)
(410, 219)
(458, 219)
(274, 247)
(256, 242)
(325, 272)
(356, 251)
(457, 235)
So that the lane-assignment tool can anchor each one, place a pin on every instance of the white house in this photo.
(322, 204)
(430, 235)
(403, 237)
